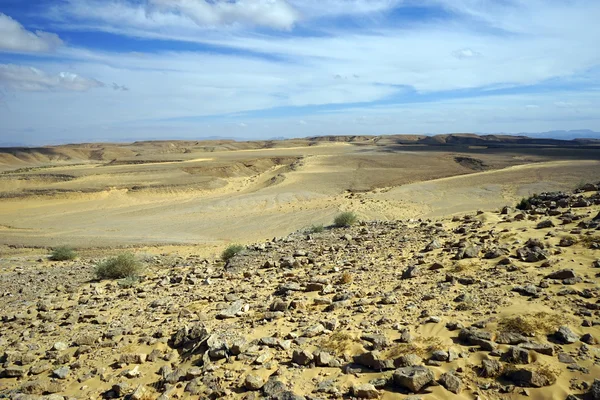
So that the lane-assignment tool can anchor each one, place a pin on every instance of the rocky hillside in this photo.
(495, 305)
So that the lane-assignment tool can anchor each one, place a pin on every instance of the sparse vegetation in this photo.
(63, 253)
(589, 240)
(346, 278)
(524, 204)
(123, 266)
(128, 282)
(345, 219)
(316, 228)
(231, 251)
(337, 343)
(531, 324)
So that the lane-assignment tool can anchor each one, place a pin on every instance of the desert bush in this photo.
(524, 204)
(337, 343)
(123, 266)
(63, 253)
(231, 251)
(316, 228)
(345, 219)
(346, 278)
(532, 324)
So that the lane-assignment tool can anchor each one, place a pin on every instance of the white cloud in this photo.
(14, 37)
(270, 13)
(31, 79)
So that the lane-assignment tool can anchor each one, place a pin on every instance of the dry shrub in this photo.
(589, 240)
(531, 324)
(464, 266)
(346, 278)
(122, 266)
(421, 347)
(403, 349)
(337, 343)
(548, 371)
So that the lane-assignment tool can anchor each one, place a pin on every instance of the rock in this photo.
(565, 358)
(491, 368)
(510, 338)
(236, 309)
(562, 274)
(62, 372)
(132, 358)
(190, 338)
(433, 245)
(139, 393)
(408, 360)
(545, 224)
(13, 372)
(439, 355)
(594, 392)
(468, 252)
(254, 382)
(374, 360)
(413, 378)
(451, 382)
(302, 357)
(564, 335)
(527, 378)
(379, 342)
(516, 355)
(60, 346)
(538, 348)
(411, 272)
(589, 339)
(279, 305)
(365, 391)
(477, 337)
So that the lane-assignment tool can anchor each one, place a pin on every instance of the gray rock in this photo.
(411, 272)
(302, 357)
(538, 348)
(595, 390)
(516, 355)
(413, 378)
(62, 372)
(545, 224)
(451, 382)
(562, 274)
(565, 335)
(373, 360)
(234, 310)
(491, 368)
(477, 337)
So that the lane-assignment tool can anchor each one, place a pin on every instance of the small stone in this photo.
(254, 382)
(62, 372)
(365, 391)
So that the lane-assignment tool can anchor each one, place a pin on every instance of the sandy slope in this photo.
(253, 194)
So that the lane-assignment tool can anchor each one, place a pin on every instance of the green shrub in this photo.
(122, 266)
(524, 204)
(345, 219)
(231, 251)
(63, 253)
(316, 228)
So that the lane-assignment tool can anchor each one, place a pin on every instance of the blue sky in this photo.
(94, 70)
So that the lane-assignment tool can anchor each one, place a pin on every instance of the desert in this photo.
(390, 267)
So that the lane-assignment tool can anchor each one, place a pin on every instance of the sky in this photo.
(121, 70)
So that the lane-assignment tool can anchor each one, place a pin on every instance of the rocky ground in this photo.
(494, 305)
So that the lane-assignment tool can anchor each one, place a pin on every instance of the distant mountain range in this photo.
(565, 135)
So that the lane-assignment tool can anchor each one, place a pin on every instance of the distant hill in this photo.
(566, 135)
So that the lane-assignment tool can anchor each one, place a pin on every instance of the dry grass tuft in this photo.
(589, 240)
(421, 347)
(531, 324)
(465, 266)
(337, 343)
(548, 371)
(346, 278)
